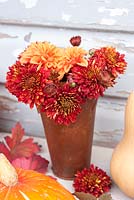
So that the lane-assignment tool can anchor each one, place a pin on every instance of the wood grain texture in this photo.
(100, 14)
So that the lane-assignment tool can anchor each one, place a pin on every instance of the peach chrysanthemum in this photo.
(42, 54)
(73, 56)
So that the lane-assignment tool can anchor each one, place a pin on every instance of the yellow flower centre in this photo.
(66, 104)
(111, 56)
(90, 74)
(93, 180)
(30, 82)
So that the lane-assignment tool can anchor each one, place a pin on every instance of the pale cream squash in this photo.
(122, 162)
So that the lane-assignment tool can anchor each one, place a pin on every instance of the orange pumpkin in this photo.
(20, 184)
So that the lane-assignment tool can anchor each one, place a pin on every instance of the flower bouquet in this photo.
(59, 80)
(64, 84)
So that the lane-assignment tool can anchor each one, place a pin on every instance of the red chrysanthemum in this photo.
(93, 180)
(27, 83)
(87, 82)
(64, 105)
(106, 63)
(115, 61)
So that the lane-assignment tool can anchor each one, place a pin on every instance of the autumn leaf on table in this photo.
(35, 162)
(22, 152)
(84, 196)
(87, 196)
(15, 146)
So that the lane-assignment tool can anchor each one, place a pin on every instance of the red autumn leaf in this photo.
(22, 152)
(34, 162)
(17, 146)
(16, 137)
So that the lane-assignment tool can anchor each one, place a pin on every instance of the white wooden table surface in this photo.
(100, 157)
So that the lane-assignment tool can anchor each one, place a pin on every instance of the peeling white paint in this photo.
(119, 12)
(4, 35)
(114, 11)
(16, 52)
(106, 21)
(107, 1)
(29, 3)
(66, 17)
(73, 4)
(70, 1)
(27, 37)
(3, 1)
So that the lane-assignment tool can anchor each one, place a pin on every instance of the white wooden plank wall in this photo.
(99, 22)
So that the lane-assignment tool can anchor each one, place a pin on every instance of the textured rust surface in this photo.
(70, 146)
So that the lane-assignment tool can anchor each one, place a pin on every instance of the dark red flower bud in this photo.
(106, 79)
(75, 41)
(50, 89)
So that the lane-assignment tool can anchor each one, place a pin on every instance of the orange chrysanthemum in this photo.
(73, 56)
(42, 54)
